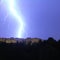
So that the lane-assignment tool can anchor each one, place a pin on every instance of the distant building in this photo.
(11, 40)
(15, 40)
(2, 39)
(35, 40)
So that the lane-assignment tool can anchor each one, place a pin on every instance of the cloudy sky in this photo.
(41, 17)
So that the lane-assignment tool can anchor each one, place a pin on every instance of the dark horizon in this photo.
(30, 50)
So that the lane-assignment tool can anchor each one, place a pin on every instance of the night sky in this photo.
(41, 17)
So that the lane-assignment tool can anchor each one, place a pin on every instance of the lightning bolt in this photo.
(11, 7)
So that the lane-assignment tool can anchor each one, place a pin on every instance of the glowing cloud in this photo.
(11, 7)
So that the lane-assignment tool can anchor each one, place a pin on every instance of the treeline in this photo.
(43, 50)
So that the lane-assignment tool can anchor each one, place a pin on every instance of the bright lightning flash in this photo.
(11, 7)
